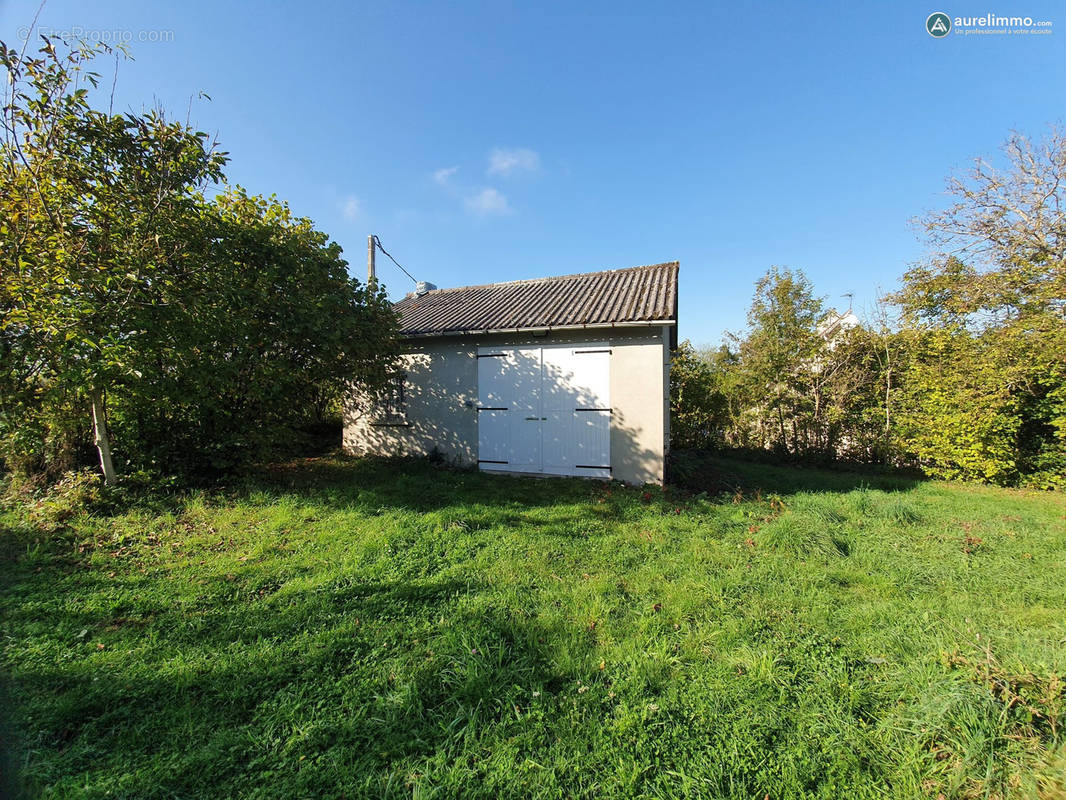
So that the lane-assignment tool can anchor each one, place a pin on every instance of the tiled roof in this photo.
(618, 296)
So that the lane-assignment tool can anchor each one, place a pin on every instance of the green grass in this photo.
(344, 628)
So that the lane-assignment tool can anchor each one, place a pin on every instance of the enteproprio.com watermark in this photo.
(111, 36)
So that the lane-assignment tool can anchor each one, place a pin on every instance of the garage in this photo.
(565, 375)
(545, 409)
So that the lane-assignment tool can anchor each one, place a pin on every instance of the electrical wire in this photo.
(377, 243)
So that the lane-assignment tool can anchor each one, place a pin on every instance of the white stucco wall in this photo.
(442, 400)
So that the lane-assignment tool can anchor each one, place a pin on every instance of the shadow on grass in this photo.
(337, 482)
(715, 473)
(344, 683)
(347, 686)
(414, 484)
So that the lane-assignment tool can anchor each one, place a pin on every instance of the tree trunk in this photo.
(888, 403)
(819, 439)
(102, 438)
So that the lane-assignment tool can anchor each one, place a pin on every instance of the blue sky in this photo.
(496, 141)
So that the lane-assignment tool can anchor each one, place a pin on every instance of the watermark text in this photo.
(109, 36)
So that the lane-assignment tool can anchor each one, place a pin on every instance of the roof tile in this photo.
(620, 296)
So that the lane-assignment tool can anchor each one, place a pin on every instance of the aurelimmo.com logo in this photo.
(938, 24)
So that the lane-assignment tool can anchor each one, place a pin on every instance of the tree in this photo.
(959, 418)
(777, 359)
(263, 324)
(859, 387)
(191, 333)
(86, 198)
(698, 411)
(805, 381)
(986, 319)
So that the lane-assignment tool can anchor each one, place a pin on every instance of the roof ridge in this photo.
(526, 281)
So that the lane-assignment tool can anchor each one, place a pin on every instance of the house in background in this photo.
(834, 325)
(555, 376)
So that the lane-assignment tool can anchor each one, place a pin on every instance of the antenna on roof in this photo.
(848, 295)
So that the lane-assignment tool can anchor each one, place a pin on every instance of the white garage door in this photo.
(545, 409)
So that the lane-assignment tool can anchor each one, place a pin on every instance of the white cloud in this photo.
(507, 162)
(489, 201)
(351, 208)
(443, 175)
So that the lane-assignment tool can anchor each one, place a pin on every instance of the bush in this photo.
(697, 403)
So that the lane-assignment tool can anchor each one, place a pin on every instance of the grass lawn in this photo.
(346, 628)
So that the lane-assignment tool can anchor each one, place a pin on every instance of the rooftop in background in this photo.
(617, 297)
(834, 323)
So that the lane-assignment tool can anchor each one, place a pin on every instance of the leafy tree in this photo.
(969, 382)
(987, 323)
(264, 325)
(865, 394)
(958, 418)
(801, 381)
(202, 330)
(698, 411)
(86, 198)
(777, 357)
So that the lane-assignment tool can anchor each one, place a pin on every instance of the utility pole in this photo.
(371, 273)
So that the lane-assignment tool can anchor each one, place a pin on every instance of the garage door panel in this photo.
(592, 438)
(592, 368)
(493, 438)
(524, 452)
(560, 391)
(493, 388)
(523, 376)
(558, 437)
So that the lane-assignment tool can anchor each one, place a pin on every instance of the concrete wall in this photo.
(442, 400)
(666, 387)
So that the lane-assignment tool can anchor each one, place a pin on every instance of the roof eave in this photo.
(544, 329)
